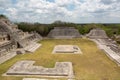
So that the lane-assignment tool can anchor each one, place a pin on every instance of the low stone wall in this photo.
(26, 67)
(7, 47)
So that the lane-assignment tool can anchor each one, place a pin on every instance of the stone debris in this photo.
(74, 49)
(26, 67)
(64, 33)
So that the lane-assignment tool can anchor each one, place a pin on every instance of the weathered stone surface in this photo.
(64, 33)
(117, 38)
(37, 79)
(42, 79)
(12, 38)
(16, 35)
(112, 53)
(32, 47)
(7, 56)
(26, 67)
(74, 49)
(97, 34)
(106, 44)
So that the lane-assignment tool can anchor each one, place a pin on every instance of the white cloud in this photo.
(45, 11)
(5, 3)
(12, 11)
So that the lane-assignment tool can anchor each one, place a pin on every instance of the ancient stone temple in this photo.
(12, 38)
(97, 33)
(64, 33)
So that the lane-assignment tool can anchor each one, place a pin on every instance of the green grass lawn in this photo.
(93, 64)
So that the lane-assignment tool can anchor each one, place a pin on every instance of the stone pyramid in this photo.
(17, 35)
(97, 33)
(11, 37)
(64, 33)
(14, 41)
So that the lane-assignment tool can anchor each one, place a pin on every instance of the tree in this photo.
(3, 16)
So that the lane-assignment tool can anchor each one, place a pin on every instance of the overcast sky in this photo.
(47, 11)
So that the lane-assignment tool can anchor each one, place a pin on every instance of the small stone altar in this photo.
(72, 49)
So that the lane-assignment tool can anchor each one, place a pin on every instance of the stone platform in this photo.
(32, 47)
(8, 56)
(26, 68)
(72, 49)
(37, 79)
(42, 79)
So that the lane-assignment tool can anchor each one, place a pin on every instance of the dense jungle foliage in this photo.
(44, 29)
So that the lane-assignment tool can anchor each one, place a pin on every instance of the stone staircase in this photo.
(8, 56)
(32, 47)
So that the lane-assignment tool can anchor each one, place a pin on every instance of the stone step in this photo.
(7, 57)
(32, 47)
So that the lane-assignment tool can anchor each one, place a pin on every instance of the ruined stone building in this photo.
(97, 33)
(64, 33)
(12, 38)
(106, 44)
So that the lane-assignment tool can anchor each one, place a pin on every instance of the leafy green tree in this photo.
(3, 16)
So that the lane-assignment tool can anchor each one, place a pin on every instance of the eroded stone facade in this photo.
(12, 38)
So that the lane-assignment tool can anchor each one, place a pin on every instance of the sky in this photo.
(48, 11)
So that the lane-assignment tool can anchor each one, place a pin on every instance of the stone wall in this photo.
(7, 47)
(26, 67)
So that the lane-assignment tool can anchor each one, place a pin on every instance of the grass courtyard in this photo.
(92, 64)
